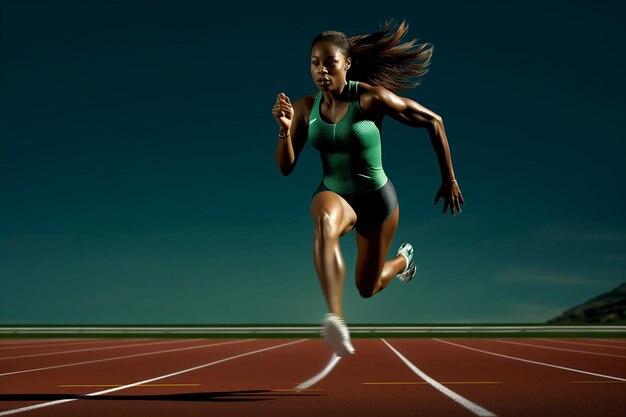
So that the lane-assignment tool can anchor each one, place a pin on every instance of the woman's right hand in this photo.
(283, 112)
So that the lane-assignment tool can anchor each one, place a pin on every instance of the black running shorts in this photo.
(371, 207)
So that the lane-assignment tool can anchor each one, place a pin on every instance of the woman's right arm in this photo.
(293, 132)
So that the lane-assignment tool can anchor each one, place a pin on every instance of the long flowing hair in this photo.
(381, 58)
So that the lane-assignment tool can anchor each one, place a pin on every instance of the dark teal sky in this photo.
(138, 183)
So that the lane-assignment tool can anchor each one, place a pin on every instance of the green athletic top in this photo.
(350, 149)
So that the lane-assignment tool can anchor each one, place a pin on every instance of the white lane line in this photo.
(473, 407)
(121, 357)
(146, 381)
(533, 362)
(618, 341)
(29, 341)
(98, 348)
(582, 344)
(555, 348)
(334, 360)
(57, 344)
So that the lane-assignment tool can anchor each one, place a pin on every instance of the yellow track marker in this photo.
(597, 382)
(426, 383)
(120, 385)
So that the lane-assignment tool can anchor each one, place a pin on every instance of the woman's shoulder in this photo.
(307, 101)
(304, 105)
(370, 97)
(371, 90)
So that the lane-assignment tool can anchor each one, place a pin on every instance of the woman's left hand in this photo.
(452, 197)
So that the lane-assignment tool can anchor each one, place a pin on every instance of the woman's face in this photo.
(328, 66)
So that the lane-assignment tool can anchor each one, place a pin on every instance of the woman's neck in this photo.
(340, 94)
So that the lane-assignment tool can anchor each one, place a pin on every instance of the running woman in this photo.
(357, 78)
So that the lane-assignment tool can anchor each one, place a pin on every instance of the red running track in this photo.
(237, 377)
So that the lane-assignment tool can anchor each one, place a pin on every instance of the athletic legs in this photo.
(373, 273)
(333, 217)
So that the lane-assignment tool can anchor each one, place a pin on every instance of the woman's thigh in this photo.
(330, 209)
(373, 246)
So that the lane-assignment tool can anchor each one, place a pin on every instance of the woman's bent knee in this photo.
(366, 293)
(366, 281)
(331, 218)
(325, 225)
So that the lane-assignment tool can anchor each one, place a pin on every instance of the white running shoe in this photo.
(336, 335)
(406, 250)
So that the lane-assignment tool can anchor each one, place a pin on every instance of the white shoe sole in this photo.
(337, 336)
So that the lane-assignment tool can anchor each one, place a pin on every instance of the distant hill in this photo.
(606, 308)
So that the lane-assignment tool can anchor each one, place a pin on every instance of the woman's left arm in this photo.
(381, 101)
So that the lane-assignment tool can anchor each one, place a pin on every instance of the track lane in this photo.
(27, 388)
(67, 405)
(525, 388)
(51, 347)
(18, 339)
(611, 341)
(90, 349)
(374, 362)
(469, 405)
(611, 366)
(539, 345)
(599, 346)
(44, 362)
